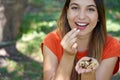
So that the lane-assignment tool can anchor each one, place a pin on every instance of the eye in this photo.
(91, 9)
(74, 8)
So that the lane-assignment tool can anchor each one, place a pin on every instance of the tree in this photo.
(11, 12)
(2, 21)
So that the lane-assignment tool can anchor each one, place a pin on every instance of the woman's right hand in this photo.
(86, 64)
(69, 43)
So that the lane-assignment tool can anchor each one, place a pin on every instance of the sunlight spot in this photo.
(117, 14)
(45, 23)
(52, 23)
(112, 26)
(37, 58)
(13, 66)
(3, 52)
(3, 63)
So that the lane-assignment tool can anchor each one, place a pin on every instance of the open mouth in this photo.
(82, 25)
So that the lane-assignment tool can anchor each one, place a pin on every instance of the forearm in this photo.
(106, 68)
(64, 69)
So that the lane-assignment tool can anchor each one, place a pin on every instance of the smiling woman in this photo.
(80, 35)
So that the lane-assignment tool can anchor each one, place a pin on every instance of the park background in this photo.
(26, 22)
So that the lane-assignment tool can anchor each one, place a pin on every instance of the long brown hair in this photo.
(99, 34)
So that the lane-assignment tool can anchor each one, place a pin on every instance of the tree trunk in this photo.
(2, 21)
(14, 10)
(11, 12)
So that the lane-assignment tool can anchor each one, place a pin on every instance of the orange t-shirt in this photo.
(111, 49)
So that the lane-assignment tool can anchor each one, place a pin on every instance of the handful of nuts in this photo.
(87, 64)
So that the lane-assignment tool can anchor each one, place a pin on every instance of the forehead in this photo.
(83, 2)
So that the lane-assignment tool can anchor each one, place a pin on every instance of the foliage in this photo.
(44, 21)
(35, 25)
(111, 4)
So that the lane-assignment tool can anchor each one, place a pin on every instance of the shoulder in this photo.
(52, 36)
(112, 42)
(52, 42)
(111, 39)
(111, 48)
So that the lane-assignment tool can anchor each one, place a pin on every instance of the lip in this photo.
(81, 25)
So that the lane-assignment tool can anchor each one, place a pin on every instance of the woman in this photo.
(81, 31)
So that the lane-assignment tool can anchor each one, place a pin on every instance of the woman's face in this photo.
(83, 15)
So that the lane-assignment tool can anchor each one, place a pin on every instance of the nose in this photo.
(81, 14)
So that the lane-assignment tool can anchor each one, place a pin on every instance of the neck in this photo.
(83, 42)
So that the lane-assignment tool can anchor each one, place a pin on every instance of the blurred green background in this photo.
(39, 19)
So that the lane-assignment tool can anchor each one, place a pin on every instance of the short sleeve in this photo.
(112, 48)
(52, 41)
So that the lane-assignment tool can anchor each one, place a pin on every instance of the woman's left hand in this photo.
(86, 64)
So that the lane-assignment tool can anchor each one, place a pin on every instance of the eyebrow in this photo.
(92, 5)
(73, 4)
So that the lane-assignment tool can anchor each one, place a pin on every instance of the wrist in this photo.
(66, 53)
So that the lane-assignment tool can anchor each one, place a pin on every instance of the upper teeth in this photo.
(81, 24)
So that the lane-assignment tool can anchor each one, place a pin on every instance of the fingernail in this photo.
(78, 30)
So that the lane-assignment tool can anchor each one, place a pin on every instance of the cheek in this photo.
(70, 18)
(94, 19)
(71, 15)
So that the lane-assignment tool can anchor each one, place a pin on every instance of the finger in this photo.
(79, 70)
(75, 46)
(73, 43)
(96, 63)
(77, 67)
(85, 58)
(94, 68)
(69, 34)
(74, 34)
(88, 70)
(82, 70)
